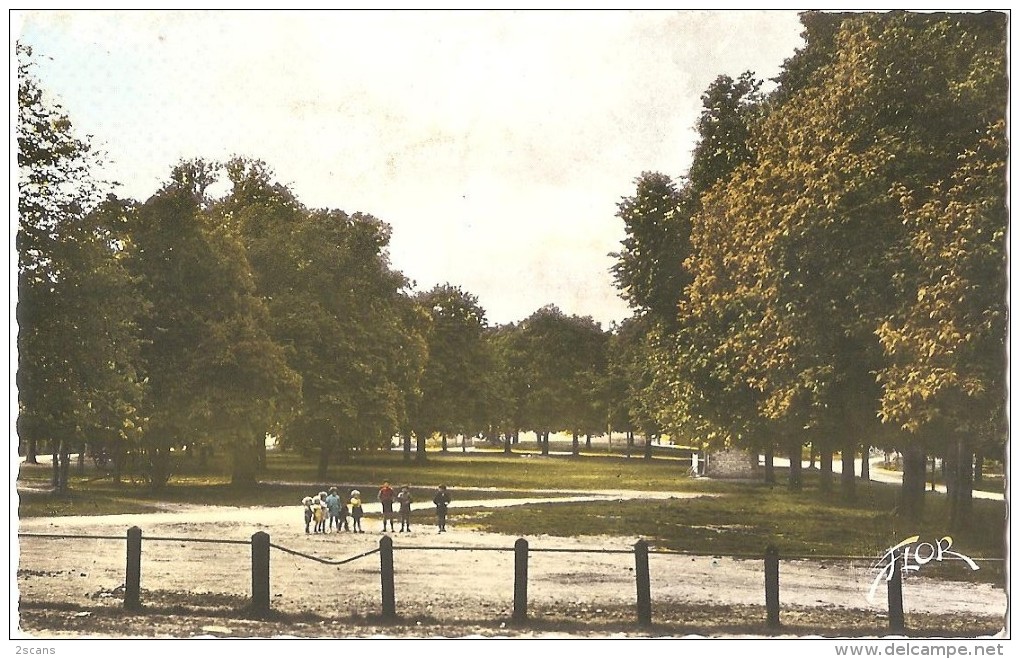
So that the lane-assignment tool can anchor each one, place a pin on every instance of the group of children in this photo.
(330, 512)
(333, 510)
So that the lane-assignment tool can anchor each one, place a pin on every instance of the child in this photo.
(356, 510)
(386, 499)
(324, 512)
(442, 501)
(405, 508)
(317, 513)
(333, 507)
(344, 513)
(307, 502)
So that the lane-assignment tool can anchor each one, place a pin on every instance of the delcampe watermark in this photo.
(914, 555)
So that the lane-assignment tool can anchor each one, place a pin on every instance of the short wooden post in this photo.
(772, 586)
(133, 578)
(260, 573)
(389, 605)
(896, 622)
(520, 580)
(644, 583)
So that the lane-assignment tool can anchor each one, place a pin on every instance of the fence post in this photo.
(520, 580)
(772, 586)
(260, 573)
(133, 578)
(389, 606)
(896, 623)
(644, 584)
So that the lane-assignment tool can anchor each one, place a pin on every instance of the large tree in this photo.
(343, 314)
(509, 382)
(563, 357)
(808, 246)
(77, 338)
(672, 391)
(456, 373)
(215, 376)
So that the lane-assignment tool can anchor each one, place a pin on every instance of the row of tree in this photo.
(191, 322)
(832, 270)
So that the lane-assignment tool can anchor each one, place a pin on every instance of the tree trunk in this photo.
(55, 465)
(325, 452)
(443, 436)
(118, 455)
(246, 463)
(575, 446)
(630, 442)
(825, 462)
(648, 447)
(419, 447)
(81, 459)
(795, 481)
(543, 438)
(587, 442)
(158, 467)
(65, 467)
(811, 456)
(979, 466)
(959, 482)
(31, 451)
(463, 443)
(848, 478)
(865, 462)
(770, 465)
(507, 439)
(910, 504)
(407, 447)
(260, 453)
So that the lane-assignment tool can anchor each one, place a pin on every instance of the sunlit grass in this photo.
(290, 476)
(749, 517)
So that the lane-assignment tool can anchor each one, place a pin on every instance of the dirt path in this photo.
(431, 582)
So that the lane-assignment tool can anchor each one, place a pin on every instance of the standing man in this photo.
(442, 501)
(405, 507)
(386, 496)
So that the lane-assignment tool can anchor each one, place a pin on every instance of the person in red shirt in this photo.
(386, 496)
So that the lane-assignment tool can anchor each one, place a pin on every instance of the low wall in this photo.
(732, 463)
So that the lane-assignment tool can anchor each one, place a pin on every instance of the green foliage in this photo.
(213, 373)
(457, 374)
(649, 270)
(562, 366)
(77, 307)
(730, 110)
(341, 312)
(846, 253)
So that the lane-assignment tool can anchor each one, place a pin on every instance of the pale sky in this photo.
(496, 144)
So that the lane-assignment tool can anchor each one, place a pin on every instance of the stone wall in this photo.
(732, 463)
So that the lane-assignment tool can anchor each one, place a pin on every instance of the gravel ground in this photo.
(73, 587)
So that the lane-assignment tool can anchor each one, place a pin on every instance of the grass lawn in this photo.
(496, 470)
(752, 516)
(289, 477)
